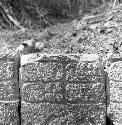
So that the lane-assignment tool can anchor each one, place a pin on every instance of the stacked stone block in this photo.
(62, 90)
(9, 91)
(114, 109)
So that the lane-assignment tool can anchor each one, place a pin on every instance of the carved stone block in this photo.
(62, 90)
(114, 107)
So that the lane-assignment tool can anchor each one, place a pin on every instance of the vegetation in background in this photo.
(58, 25)
(34, 14)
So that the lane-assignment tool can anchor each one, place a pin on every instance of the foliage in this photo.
(35, 14)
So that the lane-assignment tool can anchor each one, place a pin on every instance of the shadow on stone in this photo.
(109, 121)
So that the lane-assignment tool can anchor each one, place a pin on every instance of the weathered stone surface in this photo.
(50, 71)
(84, 72)
(69, 90)
(115, 71)
(33, 92)
(42, 71)
(9, 90)
(9, 113)
(48, 92)
(29, 72)
(6, 70)
(52, 114)
(114, 109)
(53, 87)
(53, 97)
(92, 92)
(115, 91)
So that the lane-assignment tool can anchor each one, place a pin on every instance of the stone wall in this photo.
(62, 90)
(9, 91)
(114, 110)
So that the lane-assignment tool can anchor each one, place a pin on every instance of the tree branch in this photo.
(7, 14)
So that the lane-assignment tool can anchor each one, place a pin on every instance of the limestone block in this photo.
(9, 90)
(114, 107)
(62, 90)
(9, 113)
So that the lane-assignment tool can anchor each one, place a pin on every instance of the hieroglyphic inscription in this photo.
(59, 90)
(9, 91)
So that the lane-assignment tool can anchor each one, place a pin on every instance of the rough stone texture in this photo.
(56, 114)
(9, 90)
(115, 89)
(9, 113)
(62, 89)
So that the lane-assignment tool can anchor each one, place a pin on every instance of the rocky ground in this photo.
(95, 33)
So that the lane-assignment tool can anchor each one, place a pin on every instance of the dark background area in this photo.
(42, 13)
